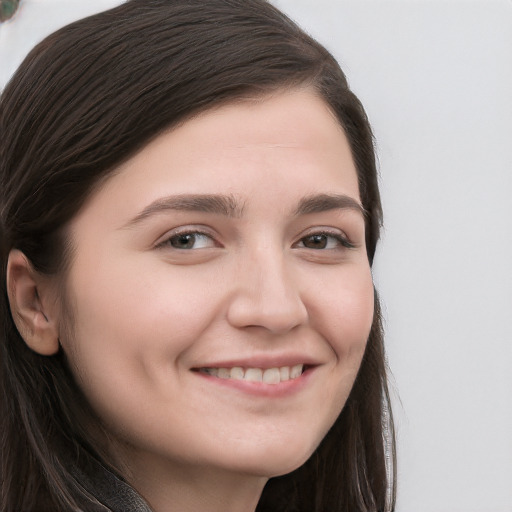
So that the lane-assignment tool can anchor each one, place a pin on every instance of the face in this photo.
(221, 291)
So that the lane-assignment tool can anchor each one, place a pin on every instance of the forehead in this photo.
(289, 143)
(297, 120)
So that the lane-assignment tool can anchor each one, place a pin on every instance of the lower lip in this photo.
(287, 387)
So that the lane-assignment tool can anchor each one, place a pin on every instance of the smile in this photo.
(267, 376)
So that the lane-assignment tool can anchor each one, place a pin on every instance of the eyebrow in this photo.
(324, 202)
(229, 206)
(210, 203)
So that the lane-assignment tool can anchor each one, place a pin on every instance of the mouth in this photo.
(273, 376)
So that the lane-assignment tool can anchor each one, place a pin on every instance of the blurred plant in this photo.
(8, 8)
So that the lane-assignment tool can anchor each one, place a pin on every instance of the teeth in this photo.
(296, 371)
(223, 373)
(272, 376)
(268, 376)
(284, 373)
(253, 374)
(236, 373)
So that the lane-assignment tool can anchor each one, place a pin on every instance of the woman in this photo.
(189, 215)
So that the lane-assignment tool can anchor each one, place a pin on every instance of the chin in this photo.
(277, 461)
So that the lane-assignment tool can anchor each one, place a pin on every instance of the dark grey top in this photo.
(106, 491)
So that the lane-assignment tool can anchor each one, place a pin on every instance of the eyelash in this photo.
(188, 233)
(341, 240)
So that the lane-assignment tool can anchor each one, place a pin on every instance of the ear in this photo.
(30, 299)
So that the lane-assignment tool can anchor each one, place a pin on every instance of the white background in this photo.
(436, 80)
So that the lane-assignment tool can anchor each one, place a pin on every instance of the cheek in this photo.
(130, 323)
(344, 311)
(344, 317)
(341, 312)
(131, 331)
(132, 305)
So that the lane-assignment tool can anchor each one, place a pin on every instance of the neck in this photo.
(189, 489)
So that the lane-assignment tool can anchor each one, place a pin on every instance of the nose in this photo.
(267, 295)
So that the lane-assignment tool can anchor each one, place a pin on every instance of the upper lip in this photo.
(262, 361)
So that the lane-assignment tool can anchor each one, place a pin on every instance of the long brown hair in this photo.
(86, 99)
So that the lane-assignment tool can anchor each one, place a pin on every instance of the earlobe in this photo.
(29, 302)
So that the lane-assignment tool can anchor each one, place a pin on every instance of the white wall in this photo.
(436, 79)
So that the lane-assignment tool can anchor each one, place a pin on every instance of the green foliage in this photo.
(8, 8)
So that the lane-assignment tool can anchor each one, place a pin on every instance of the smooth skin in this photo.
(236, 239)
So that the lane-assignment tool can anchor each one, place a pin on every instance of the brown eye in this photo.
(325, 241)
(186, 241)
(315, 241)
(190, 241)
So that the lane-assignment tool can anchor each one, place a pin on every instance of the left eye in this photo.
(191, 241)
(324, 241)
